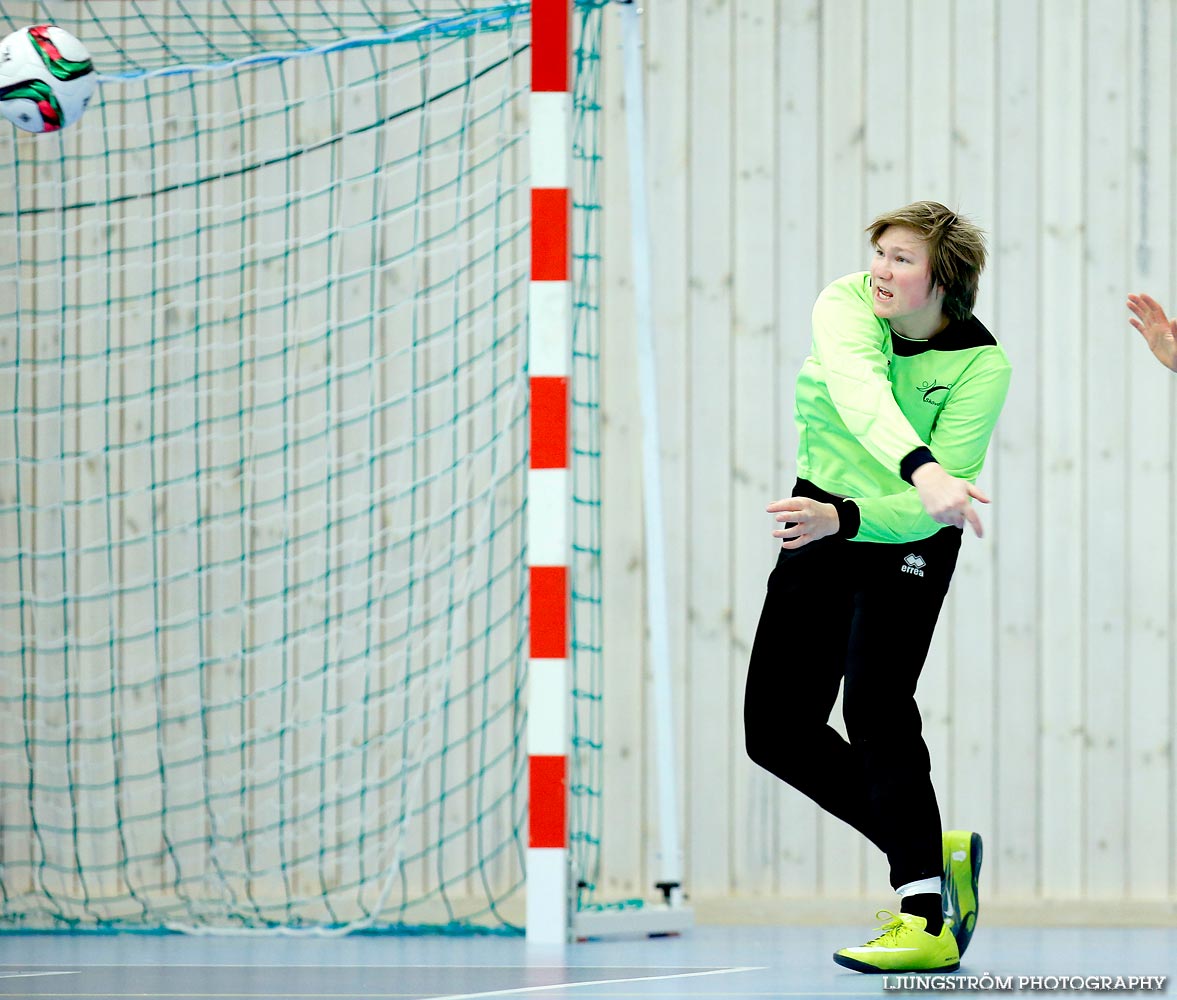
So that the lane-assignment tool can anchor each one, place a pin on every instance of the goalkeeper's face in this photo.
(901, 277)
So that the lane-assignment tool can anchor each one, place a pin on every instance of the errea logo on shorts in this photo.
(913, 564)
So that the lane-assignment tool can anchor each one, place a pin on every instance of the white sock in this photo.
(923, 885)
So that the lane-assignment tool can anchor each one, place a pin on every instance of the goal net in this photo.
(263, 454)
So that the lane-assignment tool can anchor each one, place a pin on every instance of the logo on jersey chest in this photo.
(933, 392)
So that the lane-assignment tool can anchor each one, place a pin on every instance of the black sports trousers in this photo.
(860, 614)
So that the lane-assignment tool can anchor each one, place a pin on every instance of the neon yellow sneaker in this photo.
(962, 868)
(903, 945)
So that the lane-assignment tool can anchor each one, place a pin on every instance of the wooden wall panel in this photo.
(626, 750)
(1015, 457)
(707, 373)
(755, 431)
(1107, 259)
(1059, 488)
(1049, 694)
(1148, 663)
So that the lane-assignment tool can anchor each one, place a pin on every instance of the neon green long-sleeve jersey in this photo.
(869, 401)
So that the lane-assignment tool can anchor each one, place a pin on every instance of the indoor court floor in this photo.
(728, 962)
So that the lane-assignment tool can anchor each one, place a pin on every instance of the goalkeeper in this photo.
(895, 407)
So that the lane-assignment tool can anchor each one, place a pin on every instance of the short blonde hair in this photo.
(956, 250)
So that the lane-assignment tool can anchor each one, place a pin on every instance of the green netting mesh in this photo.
(586, 818)
(262, 471)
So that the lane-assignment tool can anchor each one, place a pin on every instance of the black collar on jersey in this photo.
(958, 335)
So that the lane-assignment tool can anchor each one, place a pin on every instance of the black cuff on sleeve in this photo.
(912, 461)
(849, 519)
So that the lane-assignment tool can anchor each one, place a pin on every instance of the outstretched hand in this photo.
(1159, 332)
(947, 499)
(808, 520)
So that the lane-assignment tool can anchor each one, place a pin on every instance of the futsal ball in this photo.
(46, 78)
